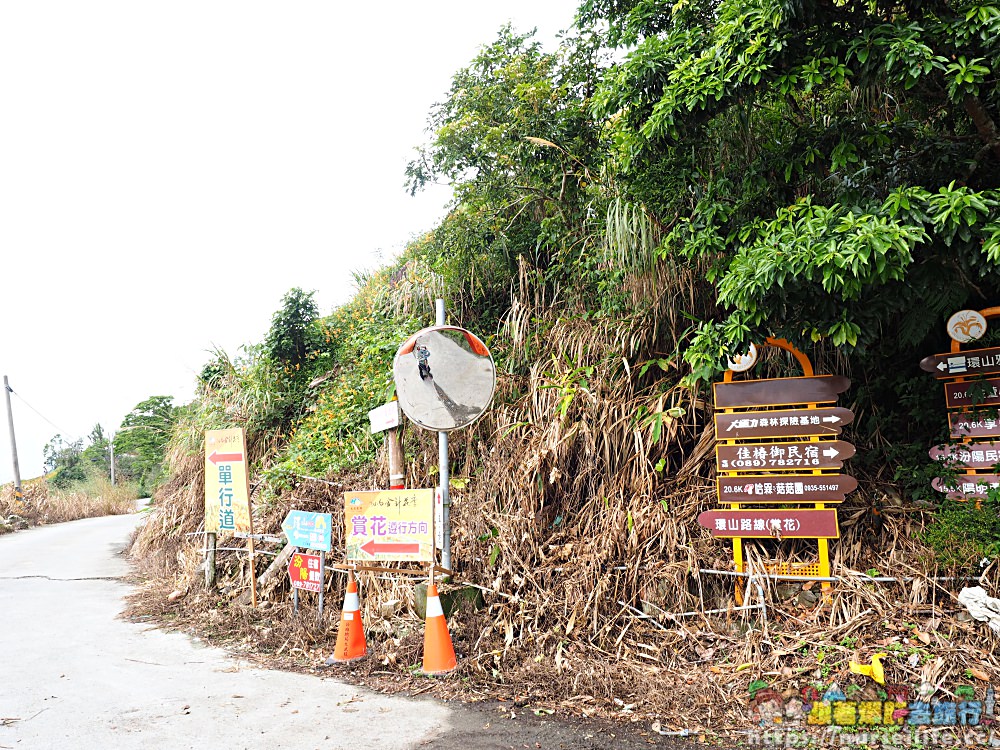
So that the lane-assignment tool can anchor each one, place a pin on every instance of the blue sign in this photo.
(308, 530)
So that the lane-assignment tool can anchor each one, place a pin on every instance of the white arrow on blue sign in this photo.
(308, 530)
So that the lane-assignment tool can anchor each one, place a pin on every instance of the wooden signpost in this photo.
(780, 391)
(779, 456)
(959, 394)
(955, 363)
(967, 486)
(970, 424)
(969, 455)
(784, 488)
(783, 423)
(972, 400)
(770, 524)
(777, 446)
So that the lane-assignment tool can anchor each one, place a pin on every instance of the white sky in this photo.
(169, 170)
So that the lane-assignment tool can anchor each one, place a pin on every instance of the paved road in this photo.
(72, 675)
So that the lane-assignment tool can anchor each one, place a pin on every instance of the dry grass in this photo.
(584, 483)
(43, 504)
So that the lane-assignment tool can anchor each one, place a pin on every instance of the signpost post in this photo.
(972, 400)
(310, 531)
(445, 378)
(444, 469)
(387, 419)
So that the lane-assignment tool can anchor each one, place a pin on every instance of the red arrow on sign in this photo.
(373, 548)
(216, 458)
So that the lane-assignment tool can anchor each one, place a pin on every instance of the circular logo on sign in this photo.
(743, 362)
(966, 325)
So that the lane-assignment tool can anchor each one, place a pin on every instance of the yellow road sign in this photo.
(227, 492)
(390, 525)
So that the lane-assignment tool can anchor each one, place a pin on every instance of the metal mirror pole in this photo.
(443, 470)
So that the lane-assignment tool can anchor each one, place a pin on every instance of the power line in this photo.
(58, 428)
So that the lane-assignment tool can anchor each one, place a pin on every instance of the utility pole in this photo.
(444, 468)
(18, 494)
(112, 444)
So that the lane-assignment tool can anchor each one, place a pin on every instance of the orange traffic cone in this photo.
(439, 654)
(351, 642)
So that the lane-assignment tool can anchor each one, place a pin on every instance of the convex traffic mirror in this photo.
(445, 378)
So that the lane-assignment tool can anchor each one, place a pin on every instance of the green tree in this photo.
(837, 163)
(63, 461)
(293, 333)
(141, 441)
(516, 140)
(97, 455)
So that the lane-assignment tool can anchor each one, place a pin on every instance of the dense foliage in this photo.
(837, 162)
(141, 442)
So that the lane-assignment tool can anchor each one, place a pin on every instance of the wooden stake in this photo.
(277, 566)
(253, 576)
(253, 571)
(397, 469)
(210, 542)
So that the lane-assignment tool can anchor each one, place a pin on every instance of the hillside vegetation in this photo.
(674, 182)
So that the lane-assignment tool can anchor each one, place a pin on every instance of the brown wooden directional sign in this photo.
(780, 391)
(827, 454)
(981, 423)
(969, 455)
(783, 524)
(967, 486)
(784, 488)
(972, 362)
(968, 393)
(783, 423)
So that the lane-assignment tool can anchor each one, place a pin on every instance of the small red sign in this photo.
(771, 524)
(305, 572)
(971, 393)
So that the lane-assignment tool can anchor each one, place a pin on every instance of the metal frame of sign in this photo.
(813, 394)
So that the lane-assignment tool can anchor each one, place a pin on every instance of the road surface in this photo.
(72, 675)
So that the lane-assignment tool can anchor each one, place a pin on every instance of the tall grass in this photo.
(92, 497)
